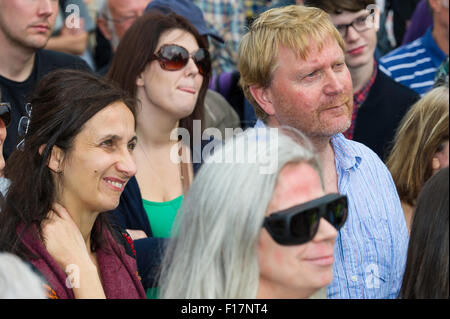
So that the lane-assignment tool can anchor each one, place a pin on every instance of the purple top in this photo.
(420, 21)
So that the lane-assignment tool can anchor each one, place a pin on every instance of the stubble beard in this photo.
(313, 126)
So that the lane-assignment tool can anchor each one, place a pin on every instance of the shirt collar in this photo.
(346, 156)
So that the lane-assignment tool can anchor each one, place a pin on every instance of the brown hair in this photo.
(63, 102)
(136, 50)
(420, 135)
(426, 270)
(337, 7)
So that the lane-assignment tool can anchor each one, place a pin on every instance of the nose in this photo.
(126, 164)
(326, 232)
(191, 68)
(46, 8)
(352, 35)
(333, 85)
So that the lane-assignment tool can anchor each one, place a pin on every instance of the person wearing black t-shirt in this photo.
(24, 30)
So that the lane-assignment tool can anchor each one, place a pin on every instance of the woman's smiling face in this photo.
(95, 171)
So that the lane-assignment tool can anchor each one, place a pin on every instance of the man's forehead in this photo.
(315, 51)
(126, 5)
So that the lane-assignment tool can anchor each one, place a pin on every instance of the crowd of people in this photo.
(224, 149)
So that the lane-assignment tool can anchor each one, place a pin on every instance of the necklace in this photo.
(185, 182)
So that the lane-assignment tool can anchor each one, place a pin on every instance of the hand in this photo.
(66, 245)
(63, 239)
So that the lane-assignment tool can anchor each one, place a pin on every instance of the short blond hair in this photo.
(420, 135)
(295, 27)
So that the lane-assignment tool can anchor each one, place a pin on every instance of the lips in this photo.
(186, 89)
(326, 260)
(356, 51)
(115, 183)
(41, 27)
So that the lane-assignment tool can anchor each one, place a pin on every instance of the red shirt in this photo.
(358, 99)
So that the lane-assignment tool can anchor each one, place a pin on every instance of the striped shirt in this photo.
(415, 64)
(371, 248)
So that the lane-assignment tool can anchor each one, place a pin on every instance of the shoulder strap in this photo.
(185, 178)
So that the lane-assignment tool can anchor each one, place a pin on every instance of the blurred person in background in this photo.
(421, 147)
(427, 267)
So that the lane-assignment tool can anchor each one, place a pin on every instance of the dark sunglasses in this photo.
(172, 57)
(5, 113)
(299, 224)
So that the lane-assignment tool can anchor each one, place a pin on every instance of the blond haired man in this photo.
(293, 71)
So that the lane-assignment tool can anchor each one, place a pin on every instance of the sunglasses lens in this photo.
(5, 113)
(173, 57)
(304, 225)
(337, 212)
(201, 58)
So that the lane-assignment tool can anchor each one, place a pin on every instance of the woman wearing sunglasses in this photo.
(255, 235)
(163, 61)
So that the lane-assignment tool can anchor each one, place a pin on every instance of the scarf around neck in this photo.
(118, 270)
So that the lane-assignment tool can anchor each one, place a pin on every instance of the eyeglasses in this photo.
(359, 24)
(22, 128)
(173, 57)
(5, 113)
(122, 19)
(299, 224)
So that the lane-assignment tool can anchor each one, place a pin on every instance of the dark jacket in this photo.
(379, 116)
(130, 214)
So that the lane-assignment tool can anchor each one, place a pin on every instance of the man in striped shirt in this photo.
(293, 71)
(415, 64)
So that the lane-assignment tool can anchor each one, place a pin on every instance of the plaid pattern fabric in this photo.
(254, 7)
(358, 99)
(226, 18)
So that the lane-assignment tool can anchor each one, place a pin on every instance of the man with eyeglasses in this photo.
(415, 64)
(25, 27)
(116, 17)
(379, 102)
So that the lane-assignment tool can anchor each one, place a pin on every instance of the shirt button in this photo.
(354, 278)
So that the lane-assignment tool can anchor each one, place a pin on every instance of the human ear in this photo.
(435, 163)
(376, 22)
(140, 79)
(104, 28)
(55, 162)
(264, 98)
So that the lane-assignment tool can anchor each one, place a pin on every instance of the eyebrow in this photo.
(319, 66)
(115, 137)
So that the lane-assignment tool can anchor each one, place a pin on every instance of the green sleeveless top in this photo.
(161, 216)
